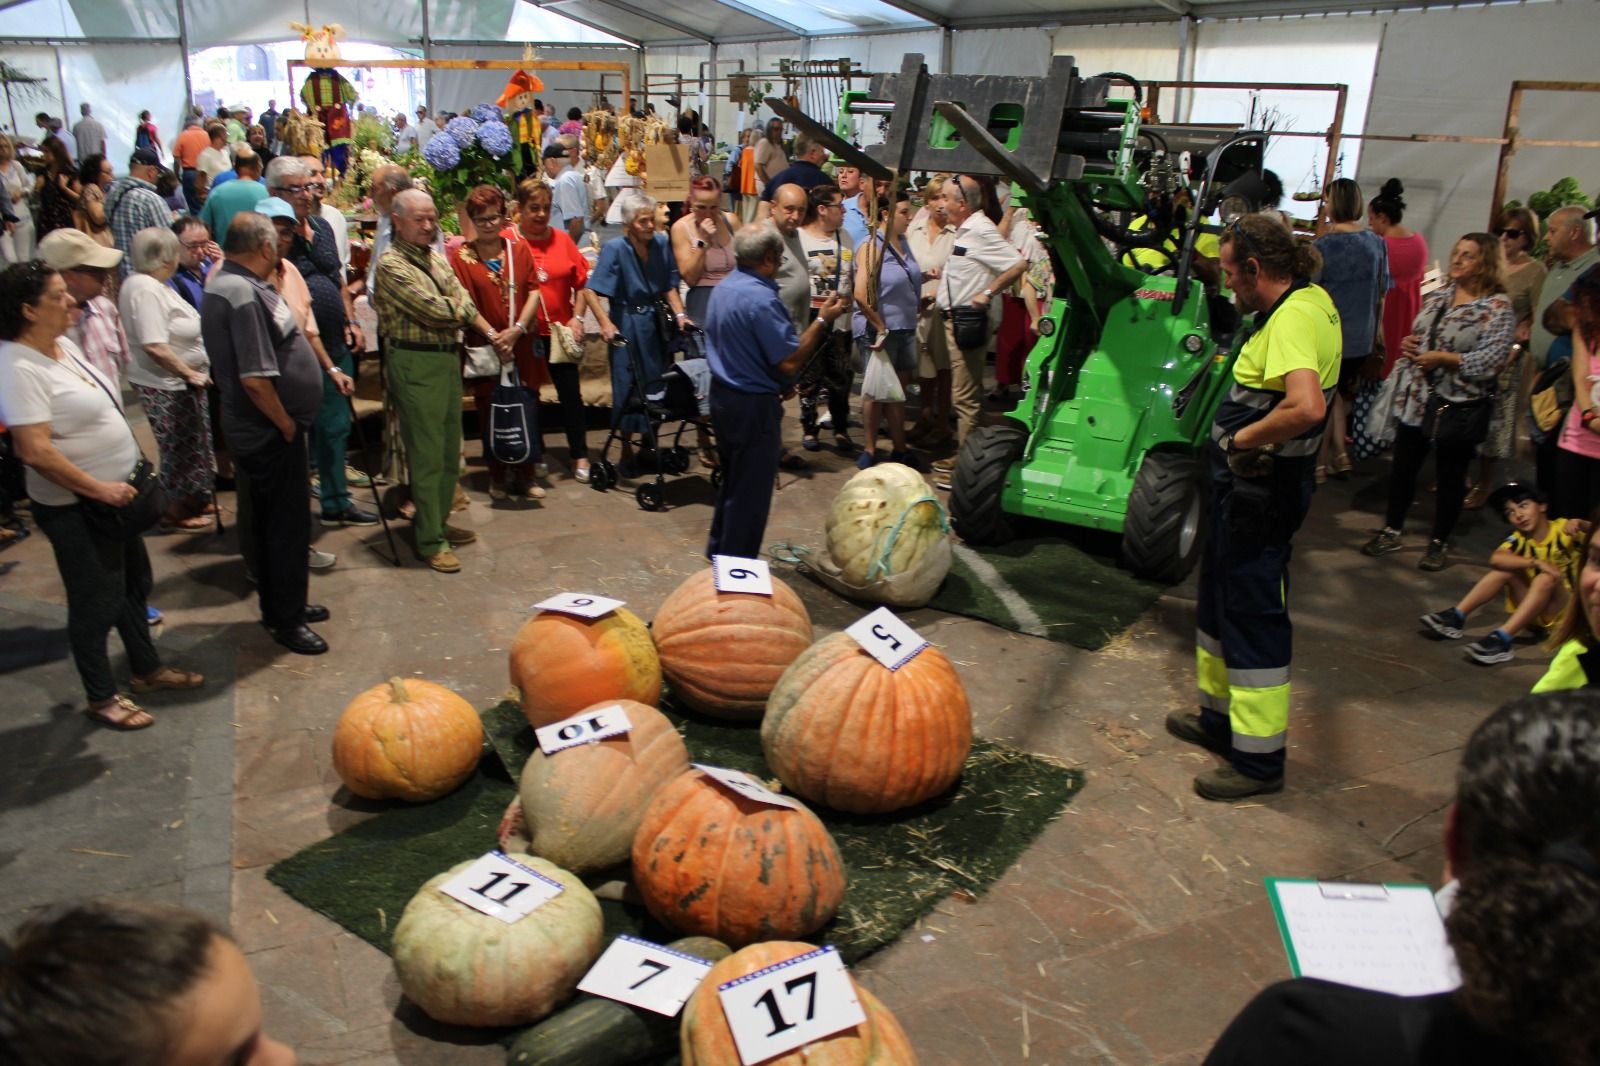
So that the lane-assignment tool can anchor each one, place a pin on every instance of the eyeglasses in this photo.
(196, 246)
(830, 206)
(293, 190)
(487, 221)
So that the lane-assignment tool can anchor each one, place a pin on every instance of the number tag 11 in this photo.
(583, 728)
(886, 638)
(733, 573)
(501, 887)
(790, 1005)
(645, 975)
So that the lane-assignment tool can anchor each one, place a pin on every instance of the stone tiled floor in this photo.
(1129, 933)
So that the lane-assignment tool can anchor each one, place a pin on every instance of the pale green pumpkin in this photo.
(882, 523)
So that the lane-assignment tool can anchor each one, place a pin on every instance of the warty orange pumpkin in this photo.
(723, 651)
(712, 863)
(561, 664)
(704, 1038)
(406, 739)
(843, 731)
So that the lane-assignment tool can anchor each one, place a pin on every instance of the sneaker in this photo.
(1447, 623)
(944, 466)
(941, 479)
(1186, 727)
(865, 461)
(541, 469)
(318, 560)
(445, 561)
(582, 474)
(1387, 540)
(457, 536)
(1225, 784)
(316, 487)
(355, 478)
(1494, 648)
(1436, 557)
(151, 615)
(826, 420)
(350, 516)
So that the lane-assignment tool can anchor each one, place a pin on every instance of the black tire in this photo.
(1165, 529)
(980, 476)
(649, 497)
(678, 460)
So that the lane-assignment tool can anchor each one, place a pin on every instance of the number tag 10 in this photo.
(886, 638)
(585, 727)
(733, 573)
(645, 975)
(790, 1005)
(501, 887)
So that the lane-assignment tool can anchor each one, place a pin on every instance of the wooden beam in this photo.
(625, 69)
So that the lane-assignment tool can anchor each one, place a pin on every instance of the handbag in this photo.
(1461, 422)
(1551, 396)
(565, 347)
(482, 361)
(969, 325)
(136, 516)
(1373, 417)
(513, 425)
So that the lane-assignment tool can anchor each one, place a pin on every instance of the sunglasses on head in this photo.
(1251, 250)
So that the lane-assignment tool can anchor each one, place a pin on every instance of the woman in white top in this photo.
(71, 435)
(931, 238)
(16, 246)
(169, 373)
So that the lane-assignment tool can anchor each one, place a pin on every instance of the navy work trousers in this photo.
(749, 439)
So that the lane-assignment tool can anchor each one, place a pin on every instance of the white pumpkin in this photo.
(883, 522)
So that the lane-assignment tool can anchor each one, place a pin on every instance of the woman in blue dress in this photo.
(633, 273)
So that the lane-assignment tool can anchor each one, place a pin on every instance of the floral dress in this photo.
(1481, 331)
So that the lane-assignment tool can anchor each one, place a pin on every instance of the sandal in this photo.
(168, 677)
(1340, 466)
(195, 524)
(1320, 475)
(708, 458)
(121, 713)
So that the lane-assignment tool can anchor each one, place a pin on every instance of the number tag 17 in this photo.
(645, 975)
(789, 1005)
(501, 887)
(886, 638)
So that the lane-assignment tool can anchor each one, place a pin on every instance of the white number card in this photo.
(790, 1005)
(501, 887)
(733, 573)
(581, 604)
(585, 727)
(887, 639)
(645, 975)
(745, 785)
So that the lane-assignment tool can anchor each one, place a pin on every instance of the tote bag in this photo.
(513, 420)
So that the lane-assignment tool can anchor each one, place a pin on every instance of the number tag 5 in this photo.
(886, 638)
(790, 1005)
(732, 573)
(501, 887)
(645, 975)
(585, 727)
(580, 604)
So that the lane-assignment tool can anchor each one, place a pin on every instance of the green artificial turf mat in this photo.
(898, 865)
(1075, 597)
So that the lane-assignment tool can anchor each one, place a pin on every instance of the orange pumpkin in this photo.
(584, 804)
(406, 739)
(713, 863)
(705, 1040)
(562, 664)
(844, 732)
(723, 651)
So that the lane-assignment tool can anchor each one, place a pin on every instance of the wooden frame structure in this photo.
(1511, 139)
(624, 69)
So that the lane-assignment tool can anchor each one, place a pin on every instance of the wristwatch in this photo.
(699, 244)
(988, 292)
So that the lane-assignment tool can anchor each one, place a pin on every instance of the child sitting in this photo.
(1536, 567)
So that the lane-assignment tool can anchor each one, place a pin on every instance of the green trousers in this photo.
(425, 388)
(330, 433)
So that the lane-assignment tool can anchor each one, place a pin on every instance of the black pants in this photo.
(1410, 449)
(280, 526)
(1579, 480)
(749, 438)
(831, 369)
(108, 586)
(574, 418)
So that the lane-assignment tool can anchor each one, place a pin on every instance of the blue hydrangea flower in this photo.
(463, 129)
(442, 153)
(495, 137)
(485, 113)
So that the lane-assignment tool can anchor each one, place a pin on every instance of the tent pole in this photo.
(1184, 26)
(710, 117)
(427, 53)
(183, 50)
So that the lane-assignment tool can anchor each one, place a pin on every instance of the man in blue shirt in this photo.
(755, 354)
(805, 171)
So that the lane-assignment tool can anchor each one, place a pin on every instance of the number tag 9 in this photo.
(886, 638)
(789, 1005)
(585, 727)
(733, 573)
(580, 604)
(645, 975)
(743, 784)
(501, 887)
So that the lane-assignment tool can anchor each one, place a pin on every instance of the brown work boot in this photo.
(1225, 784)
(458, 536)
(444, 560)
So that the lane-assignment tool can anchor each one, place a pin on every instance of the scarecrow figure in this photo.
(526, 131)
(326, 93)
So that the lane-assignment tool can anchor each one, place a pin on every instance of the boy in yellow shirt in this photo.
(1535, 567)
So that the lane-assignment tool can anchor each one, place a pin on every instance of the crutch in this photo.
(372, 483)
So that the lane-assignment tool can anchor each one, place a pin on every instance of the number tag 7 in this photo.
(886, 638)
(580, 604)
(501, 887)
(789, 1005)
(645, 975)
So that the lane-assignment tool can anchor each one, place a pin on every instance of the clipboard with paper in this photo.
(1382, 937)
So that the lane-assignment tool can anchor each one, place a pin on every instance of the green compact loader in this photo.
(1119, 392)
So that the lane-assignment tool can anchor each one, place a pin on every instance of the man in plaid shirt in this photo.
(132, 203)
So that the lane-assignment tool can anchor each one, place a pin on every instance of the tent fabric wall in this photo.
(1448, 73)
(1024, 53)
(1147, 51)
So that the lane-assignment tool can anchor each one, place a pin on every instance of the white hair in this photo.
(404, 199)
(152, 249)
(753, 243)
(285, 166)
(633, 205)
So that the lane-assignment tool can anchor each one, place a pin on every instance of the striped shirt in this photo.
(418, 297)
(1300, 332)
(98, 332)
(1560, 548)
(132, 204)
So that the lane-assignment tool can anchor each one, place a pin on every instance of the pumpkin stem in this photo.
(397, 690)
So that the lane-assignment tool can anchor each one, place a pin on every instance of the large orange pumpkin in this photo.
(843, 731)
(705, 1039)
(562, 664)
(584, 804)
(406, 739)
(463, 967)
(723, 651)
(713, 863)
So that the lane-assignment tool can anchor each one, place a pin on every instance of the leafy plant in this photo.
(1564, 192)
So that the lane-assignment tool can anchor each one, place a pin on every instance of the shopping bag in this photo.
(1374, 417)
(879, 381)
(513, 424)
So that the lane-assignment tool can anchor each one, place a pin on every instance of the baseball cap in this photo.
(67, 249)
(275, 207)
(1516, 492)
(555, 151)
(144, 156)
